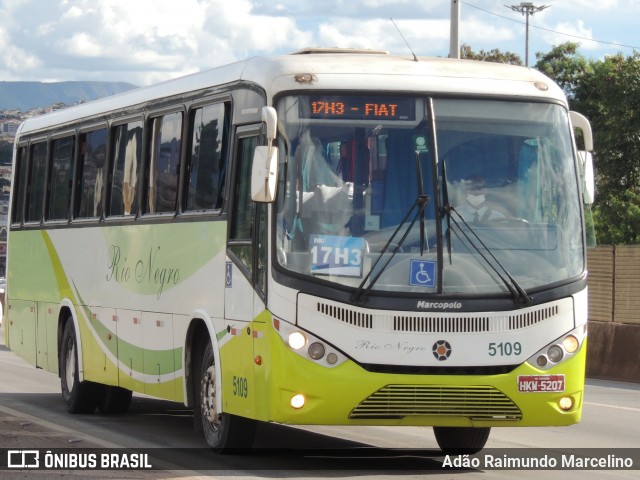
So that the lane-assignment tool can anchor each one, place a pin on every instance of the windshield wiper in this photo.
(421, 195)
(520, 297)
(359, 296)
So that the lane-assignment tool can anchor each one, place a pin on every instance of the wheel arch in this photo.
(201, 328)
(67, 313)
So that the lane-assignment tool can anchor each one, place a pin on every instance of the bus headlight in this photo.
(297, 340)
(559, 350)
(308, 346)
(565, 403)
(316, 350)
(298, 401)
(571, 344)
(555, 353)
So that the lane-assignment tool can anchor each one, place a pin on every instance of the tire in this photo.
(223, 432)
(461, 440)
(79, 397)
(115, 400)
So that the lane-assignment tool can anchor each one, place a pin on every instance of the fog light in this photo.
(332, 358)
(297, 340)
(297, 401)
(316, 350)
(555, 353)
(565, 403)
(541, 361)
(570, 344)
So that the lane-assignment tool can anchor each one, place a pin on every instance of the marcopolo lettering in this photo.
(439, 305)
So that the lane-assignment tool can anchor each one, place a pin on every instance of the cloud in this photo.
(574, 31)
(145, 41)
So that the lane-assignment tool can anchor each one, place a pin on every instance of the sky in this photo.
(147, 41)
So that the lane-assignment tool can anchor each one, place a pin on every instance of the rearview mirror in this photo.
(263, 174)
(586, 159)
(581, 122)
(265, 161)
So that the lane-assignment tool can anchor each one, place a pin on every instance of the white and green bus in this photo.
(331, 237)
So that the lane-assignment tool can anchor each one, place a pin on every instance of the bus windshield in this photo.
(408, 194)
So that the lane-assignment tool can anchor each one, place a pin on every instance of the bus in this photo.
(305, 239)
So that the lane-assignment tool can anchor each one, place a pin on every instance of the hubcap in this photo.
(70, 365)
(209, 410)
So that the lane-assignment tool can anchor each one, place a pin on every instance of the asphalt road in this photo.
(32, 417)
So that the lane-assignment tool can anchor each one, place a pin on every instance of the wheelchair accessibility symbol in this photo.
(423, 274)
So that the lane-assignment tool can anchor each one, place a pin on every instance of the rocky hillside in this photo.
(27, 95)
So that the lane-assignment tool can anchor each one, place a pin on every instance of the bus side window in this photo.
(164, 163)
(60, 178)
(93, 150)
(241, 231)
(35, 183)
(206, 165)
(19, 186)
(126, 151)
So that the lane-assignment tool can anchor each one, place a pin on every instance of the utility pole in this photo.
(526, 9)
(454, 38)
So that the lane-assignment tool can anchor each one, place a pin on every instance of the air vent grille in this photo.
(429, 322)
(481, 402)
(347, 315)
(440, 324)
(531, 317)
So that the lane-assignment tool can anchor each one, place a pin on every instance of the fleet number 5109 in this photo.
(505, 349)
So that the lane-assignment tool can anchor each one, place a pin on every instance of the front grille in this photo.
(481, 402)
(433, 322)
(439, 370)
(526, 319)
(347, 315)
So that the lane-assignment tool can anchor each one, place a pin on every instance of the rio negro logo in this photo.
(147, 270)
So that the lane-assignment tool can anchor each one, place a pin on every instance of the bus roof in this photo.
(331, 69)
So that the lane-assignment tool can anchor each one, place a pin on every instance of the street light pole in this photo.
(526, 9)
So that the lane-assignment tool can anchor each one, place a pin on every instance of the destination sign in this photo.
(359, 107)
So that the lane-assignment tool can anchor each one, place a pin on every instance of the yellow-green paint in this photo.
(332, 393)
(260, 373)
(38, 284)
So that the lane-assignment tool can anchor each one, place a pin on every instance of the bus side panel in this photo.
(126, 286)
(21, 328)
(158, 357)
(130, 355)
(32, 289)
(100, 356)
(239, 395)
(46, 320)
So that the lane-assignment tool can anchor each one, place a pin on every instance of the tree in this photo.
(494, 55)
(607, 91)
(565, 66)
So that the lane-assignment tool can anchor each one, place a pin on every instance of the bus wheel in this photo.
(79, 397)
(461, 440)
(114, 400)
(223, 432)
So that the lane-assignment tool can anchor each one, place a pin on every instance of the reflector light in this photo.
(304, 78)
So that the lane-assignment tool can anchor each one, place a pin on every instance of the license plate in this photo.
(541, 383)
